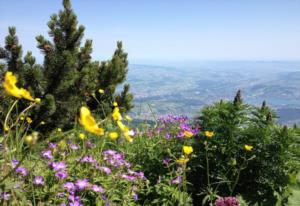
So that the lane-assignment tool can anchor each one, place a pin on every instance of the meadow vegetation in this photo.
(62, 146)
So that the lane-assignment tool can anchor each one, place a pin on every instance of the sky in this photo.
(169, 30)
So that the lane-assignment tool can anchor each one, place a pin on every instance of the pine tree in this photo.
(68, 77)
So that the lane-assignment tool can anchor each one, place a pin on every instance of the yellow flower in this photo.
(59, 129)
(209, 134)
(10, 87)
(88, 122)
(113, 135)
(6, 128)
(37, 100)
(22, 117)
(42, 123)
(31, 139)
(115, 104)
(187, 150)
(248, 147)
(128, 134)
(122, 127)
(101, 91)
(116, 115)
(188, 134)
(82, 136)
(29, 120)
(128, 118)
(182, 160)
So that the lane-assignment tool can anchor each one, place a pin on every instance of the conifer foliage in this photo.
(68, 77)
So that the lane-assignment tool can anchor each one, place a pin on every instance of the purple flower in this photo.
(227, 201)
(98, 189)
(177, 180)
(82, 184)
(166, 162)
(168, 136)
(135, 195)
(14, 162)
(69, 186)
(106, 170)
(22, 171)
(74, 147)
(52, 145)
(47, 154)
(128, 177)
(74, 200)
(38, 180)
(5, 196)
(61, 175)
(87, 159)
(56, 166)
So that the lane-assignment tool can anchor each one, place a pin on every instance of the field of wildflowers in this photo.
(175, 162)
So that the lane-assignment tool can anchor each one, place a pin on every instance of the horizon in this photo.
(170, 31)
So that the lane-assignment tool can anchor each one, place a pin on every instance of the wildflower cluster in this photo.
(175, 127)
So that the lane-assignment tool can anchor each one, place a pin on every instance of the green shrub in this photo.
(249, 153)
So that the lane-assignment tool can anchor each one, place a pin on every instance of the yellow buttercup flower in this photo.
(28, 120)
(37, 100)
(101, 91)
(88, 122)
(31, 139)
(187, 150)
(122, 126)
(116, 115)
(9, 84)
(59, 129)
(42, 123)
(22, 117)
(209, 134)
(82, 136)
(128, 118)
(113, 135)
(128, 134)
(115, 104)
(6, 128)
(182, 160)
(248, 147)
(188, 134)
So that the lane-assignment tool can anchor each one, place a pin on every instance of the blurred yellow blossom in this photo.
(28, 120)
(42, 123)
(116, 115)
(59, 129)
(82, 136)
(115, 104)
(101, 91)
(188, 134)
(6, 128)
(31, 139)
(187, 150)
(248, 147)
(37, 100)
(182, 160)
(88, 122)
(209, 134)
(113, 135)
(9, 84)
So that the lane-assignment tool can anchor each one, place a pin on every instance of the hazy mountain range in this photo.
(161, 90)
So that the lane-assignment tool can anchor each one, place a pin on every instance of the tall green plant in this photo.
(249, 153)
(68, 77)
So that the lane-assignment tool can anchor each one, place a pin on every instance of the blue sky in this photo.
(170, 30)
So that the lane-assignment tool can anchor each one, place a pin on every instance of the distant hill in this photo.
(163, 90)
